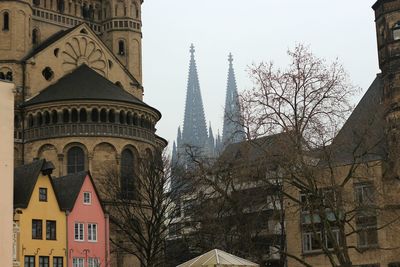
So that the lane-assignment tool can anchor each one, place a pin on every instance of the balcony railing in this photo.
(89, 129)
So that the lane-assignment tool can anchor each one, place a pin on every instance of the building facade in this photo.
(42, 237)
(6, 170)
(88, 225)
(77, 68)
(366, 150)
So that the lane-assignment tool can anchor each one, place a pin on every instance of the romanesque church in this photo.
(77, 67)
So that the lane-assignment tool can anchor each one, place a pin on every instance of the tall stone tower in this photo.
(122, 33)
(387, 19)
(233, 130)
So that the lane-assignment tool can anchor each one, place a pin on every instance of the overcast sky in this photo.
(254, 31)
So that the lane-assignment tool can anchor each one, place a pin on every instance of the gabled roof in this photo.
(362, 136)
(49, 41)
(67, 188)
(60, 34)
(84, 83)
(25, 178)
(217, 257)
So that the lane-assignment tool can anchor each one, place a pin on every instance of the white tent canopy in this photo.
(217, 257)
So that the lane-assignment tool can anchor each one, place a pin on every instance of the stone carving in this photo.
(82, 50)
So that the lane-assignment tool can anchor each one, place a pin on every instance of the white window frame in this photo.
(92, 232)
(90, 198)
(93, 262)
(78, 230)
(307, 242)
(78, 262)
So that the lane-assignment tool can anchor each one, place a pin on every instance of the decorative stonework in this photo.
(82, 50)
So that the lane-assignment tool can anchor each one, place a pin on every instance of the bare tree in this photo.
(141, 208)
(321, 167)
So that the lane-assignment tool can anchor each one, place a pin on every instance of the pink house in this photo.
(87, 224)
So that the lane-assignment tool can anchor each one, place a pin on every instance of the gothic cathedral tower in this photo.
(387, 19)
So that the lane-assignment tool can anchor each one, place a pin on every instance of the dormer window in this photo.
(396, 31)
(87, 198)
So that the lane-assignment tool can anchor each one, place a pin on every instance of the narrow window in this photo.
(43, 261)
(87, 198)
(35, 36)
(29, 261)
(51, 233)
(43, 194)
(54, 117)
(92, 232)
(95, 115)
(74, 115)
(65, 116)
(37, 229)
(6, 21)
(2, 76)
(79, 232)
(75, 160)
(82, 115)
(121, 48)
(58, 262)
(127, 175)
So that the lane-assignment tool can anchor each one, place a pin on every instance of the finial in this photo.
(192, 50)
(230, 59)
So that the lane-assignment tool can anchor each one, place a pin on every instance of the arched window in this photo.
(121, 47)
(111, 116)
(103, 115)
(129, 118)
(6, 21)
(95, 115)
(135, 120)
(39, 119)
(9, 76)
(65, 116)
(35, 36)
(127, 175)
(30, 121)
(82, 115)
(2, 76)
(75, 160)
(74, 115)
(46, 117)
(122, 117)
(54, 117)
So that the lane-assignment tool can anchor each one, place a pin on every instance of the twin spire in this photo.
(195, 132)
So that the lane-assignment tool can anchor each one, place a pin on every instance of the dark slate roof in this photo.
(362, 136)
(25, 178)
(67, 189)
(52, 39)
(84, 83)
(263, 148)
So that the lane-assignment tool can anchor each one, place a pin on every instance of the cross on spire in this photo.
(192, 50)
(230, 59)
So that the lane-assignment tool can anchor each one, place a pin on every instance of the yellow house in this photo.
(42, 238)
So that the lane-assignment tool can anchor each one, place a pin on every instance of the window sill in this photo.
(368, 247)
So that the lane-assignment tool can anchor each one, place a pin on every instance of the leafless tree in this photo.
(309, 102)
(141, 210)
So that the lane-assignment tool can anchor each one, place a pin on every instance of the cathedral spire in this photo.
(194, 125)
(233, 131)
